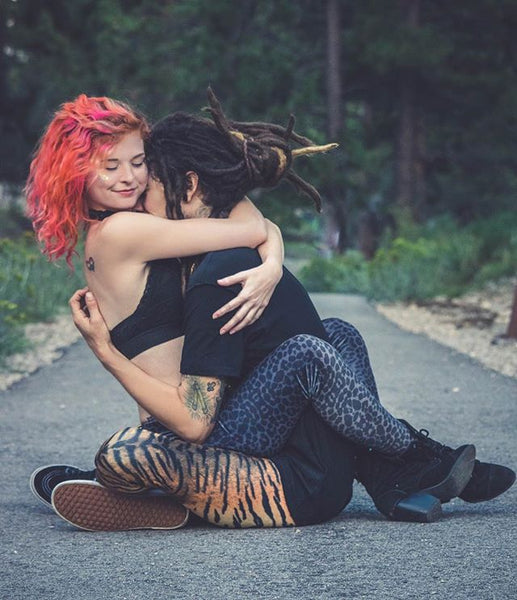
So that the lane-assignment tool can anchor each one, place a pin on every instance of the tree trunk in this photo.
(334, 82)
(420, 182)
(511, 332)
(335, 237)
(3, 62)
(368, 234)
(406, 149)
(410, 174)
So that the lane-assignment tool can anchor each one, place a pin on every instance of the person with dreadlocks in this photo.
(270, 372)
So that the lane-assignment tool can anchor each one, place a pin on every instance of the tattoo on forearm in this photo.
(203, 397)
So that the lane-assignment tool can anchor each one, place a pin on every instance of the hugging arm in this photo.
(190, 409)
(143, 237)
(258, 284)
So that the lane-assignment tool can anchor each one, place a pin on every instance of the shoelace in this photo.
(433, 444)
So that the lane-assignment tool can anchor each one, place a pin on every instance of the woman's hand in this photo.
(89, 321)
(258, 285)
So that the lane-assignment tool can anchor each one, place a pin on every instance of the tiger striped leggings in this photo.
(222, 487)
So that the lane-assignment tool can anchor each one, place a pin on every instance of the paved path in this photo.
(63, 412)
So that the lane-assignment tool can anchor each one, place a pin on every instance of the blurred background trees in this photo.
(420, 94)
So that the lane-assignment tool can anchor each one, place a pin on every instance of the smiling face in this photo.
(121, 177)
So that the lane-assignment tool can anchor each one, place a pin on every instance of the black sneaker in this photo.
(44, 480)
(488, 480)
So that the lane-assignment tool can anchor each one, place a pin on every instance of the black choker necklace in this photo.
(100, 215)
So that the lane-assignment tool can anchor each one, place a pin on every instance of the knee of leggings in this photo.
(311, 349)
(304, 342)
(111, 463)
(336, 326)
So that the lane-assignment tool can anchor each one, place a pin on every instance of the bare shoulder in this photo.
(127, 227)
(122, 221)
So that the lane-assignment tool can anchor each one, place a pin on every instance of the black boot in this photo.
(488, 480)
(387, 483)
(444, 474)
(410, 486)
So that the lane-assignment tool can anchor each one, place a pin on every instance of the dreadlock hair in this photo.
(230, 158)
(81, 133)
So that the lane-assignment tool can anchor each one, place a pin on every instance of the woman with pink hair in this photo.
(90, 165)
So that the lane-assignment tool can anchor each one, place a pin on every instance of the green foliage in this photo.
(301, 251)
(13, 222)
(437, 259)
(10, 331)
(347, 273)
(31, 289)
(499, 246)
(416, 270)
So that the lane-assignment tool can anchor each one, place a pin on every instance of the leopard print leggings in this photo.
(336, 378)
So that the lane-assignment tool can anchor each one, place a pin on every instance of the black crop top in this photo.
(158, 317)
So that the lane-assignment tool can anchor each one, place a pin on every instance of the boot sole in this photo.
(457, 478)
(90, 506)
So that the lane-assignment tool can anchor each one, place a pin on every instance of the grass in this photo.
(31, 289)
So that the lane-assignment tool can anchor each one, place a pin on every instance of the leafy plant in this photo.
(31, 289)
(347, 273)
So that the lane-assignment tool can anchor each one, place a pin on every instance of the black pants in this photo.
(317, 467)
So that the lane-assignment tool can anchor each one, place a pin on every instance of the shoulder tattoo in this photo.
(90, 264)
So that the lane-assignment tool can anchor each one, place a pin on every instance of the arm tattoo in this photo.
(203, 396)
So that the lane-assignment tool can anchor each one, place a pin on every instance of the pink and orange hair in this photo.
(77, 138)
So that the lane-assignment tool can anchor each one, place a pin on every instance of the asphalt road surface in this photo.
(63, 412)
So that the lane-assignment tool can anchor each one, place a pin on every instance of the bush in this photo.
(11, 337)
(422, 269)
(495, 233)
(499, 247)
(31, 288)
(438, 258)
(347, 274)
(13, 222)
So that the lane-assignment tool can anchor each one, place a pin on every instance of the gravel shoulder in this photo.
(472, 324)
(48, 342)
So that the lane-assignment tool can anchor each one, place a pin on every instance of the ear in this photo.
(192, 185)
